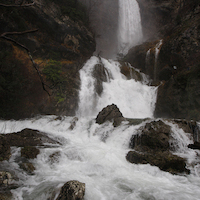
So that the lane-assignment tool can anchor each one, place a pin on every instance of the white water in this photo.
(95, 154)
(130, 29)
(134, 99)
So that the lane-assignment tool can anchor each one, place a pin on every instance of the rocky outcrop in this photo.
(110, 113)
(61, 37)
(72, 190)
(177, 63)
(152, 145)
(30, 141)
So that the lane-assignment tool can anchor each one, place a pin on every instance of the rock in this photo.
(166, 161)
(154, 136)
(28, 137)
(28, 167)
(5, 151)
(72, 190)
(6, 195)
(100, 76)
(110, 113)
(151, 145)
(29, 152)
(5, 178)
(196, 145)
(62, 36)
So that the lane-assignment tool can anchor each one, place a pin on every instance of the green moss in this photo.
(53, 72)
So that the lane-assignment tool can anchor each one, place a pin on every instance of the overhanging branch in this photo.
(15, 5)
(4, 36)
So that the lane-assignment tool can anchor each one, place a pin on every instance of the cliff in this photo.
(56, 35)
(174, 25)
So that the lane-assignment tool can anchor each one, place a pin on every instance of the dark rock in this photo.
(6, 195)
(196, 145)
(110, 113)
(5, 151)
(72, 190)
(100, 76)
(28, 137)
(154, 136)
(61, 36)
(166, 161)
(29, 152)
(130, 72)
(151, 145)
(28, 167)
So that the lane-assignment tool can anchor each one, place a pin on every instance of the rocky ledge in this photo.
(153, 144)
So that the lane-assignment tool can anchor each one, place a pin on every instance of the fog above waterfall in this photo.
(112, 23)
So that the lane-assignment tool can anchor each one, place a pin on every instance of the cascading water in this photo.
(134, 99)
(130, 29)
(95, 154)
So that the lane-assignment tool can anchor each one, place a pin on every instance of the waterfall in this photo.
(96, 154)
(130, 29)
(134, 99)
(157, 50)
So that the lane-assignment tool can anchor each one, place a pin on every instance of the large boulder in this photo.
(152, 145)
(28, 137)
(72, 190)
(166, 161)
(110, 113)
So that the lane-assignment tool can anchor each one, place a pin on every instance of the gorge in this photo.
(48, 141)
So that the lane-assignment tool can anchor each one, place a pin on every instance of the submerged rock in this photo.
(72, 190)
(110, 113)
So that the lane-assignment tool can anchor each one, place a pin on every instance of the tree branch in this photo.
(13, 5)
(28, 52)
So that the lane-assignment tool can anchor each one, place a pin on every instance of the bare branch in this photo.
(19, 33)
(15, 5)
(28, 52)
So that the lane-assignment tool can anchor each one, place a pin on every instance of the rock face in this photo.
(72, 190)
(59, 47)
(110, 113)
(151, 145)
(177, 63)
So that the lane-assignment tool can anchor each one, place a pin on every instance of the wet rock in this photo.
(110, 113)
(151, 145)
(73, 123)
(154, 136)
(5, 178)
(166, 161)
(100, 76)
(29, 152)
(6, 195)
(72, 190)
(28, 167)
(5, 151)
(196, 145)
(130, 72)
(28, 137)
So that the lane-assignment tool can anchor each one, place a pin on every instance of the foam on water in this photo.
(134, 99)
(95, 154)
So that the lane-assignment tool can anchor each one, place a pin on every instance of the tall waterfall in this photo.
(130, 29)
